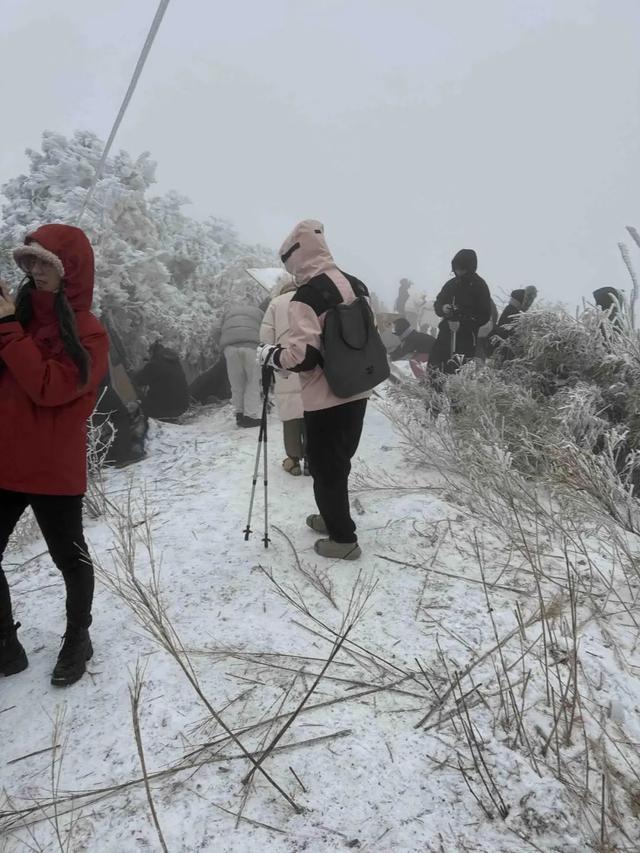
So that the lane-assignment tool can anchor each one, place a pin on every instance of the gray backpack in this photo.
(355, 358)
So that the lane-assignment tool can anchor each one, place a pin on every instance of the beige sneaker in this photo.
(338, 550)
(316, 522)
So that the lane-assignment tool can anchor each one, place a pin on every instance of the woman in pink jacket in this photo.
(333, 424)
(275, 330)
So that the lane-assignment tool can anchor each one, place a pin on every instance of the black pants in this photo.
(333, 436)
(60, 520)
(443, 357)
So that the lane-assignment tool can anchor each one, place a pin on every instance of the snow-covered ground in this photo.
(356, 762)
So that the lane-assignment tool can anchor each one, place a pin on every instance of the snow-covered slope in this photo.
(365, 776)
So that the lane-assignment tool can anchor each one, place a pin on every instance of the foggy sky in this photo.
(412, 128)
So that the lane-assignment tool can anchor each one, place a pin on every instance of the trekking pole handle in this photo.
(267, 379)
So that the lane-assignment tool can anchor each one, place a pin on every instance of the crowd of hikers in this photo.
(316, 337)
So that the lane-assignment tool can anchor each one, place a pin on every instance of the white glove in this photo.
(268, 356)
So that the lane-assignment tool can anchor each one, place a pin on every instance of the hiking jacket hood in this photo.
(305, 253)
(321, 286)
(43, 408)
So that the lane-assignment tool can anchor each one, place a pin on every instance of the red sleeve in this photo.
(53, 382)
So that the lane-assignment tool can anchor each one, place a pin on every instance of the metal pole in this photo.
(267, 378)
(267, 374)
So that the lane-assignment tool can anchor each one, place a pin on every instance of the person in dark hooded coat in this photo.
(464, 303)
(519, 303)
(167, 394)
(403, 296)
(610, 300)
(412, 342)
(213, 384)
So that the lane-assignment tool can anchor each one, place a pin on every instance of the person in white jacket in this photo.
(238, 340)
(275, 330)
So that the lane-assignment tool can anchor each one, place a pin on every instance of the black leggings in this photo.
(60, 520)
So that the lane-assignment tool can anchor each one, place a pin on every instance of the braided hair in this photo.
(66, 323)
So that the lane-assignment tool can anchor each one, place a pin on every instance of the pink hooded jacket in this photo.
(321, 285)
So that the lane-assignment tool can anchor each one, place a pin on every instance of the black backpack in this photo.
(355, 358)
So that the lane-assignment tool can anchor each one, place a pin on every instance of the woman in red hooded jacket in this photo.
(53, 354)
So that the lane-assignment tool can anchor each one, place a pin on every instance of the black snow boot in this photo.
(72, 661)
(239, 418)
(249, 423)
(13, 657)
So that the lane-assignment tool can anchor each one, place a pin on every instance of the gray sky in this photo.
(412, 128)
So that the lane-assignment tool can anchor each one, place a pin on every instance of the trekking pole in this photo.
(267, 377)
(247, 530)
(262, 438)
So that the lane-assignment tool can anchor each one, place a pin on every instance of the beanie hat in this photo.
(517, 297)
(400, 326)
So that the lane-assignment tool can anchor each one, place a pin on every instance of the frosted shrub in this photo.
(560, 400)
(159, 273)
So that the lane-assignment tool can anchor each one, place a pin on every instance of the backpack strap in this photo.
(320, 294)
(359, 287)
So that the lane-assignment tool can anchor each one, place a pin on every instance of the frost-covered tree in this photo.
(160, 273)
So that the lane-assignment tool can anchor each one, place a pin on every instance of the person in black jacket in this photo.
(464, 303)
(213, 385)
(403, 296)
(411, 341)
(610, 300)
(519, 303)
(167, 392)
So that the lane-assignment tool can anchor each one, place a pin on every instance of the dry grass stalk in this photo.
(135, 693)
(336, 648)
(26, 816)
(320, 582)
(477, 754)
(586, 524)
(457, 577)
(146, 602)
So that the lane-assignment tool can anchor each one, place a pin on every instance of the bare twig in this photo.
(135, 692)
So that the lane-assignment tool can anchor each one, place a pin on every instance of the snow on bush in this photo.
(159, 273)
(561, 398)
(539, 448)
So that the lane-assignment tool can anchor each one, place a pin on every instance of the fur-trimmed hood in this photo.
(69, 250)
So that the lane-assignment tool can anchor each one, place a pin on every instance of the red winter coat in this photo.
(43, 409)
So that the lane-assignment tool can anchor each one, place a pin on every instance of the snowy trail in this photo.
(372, 780)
